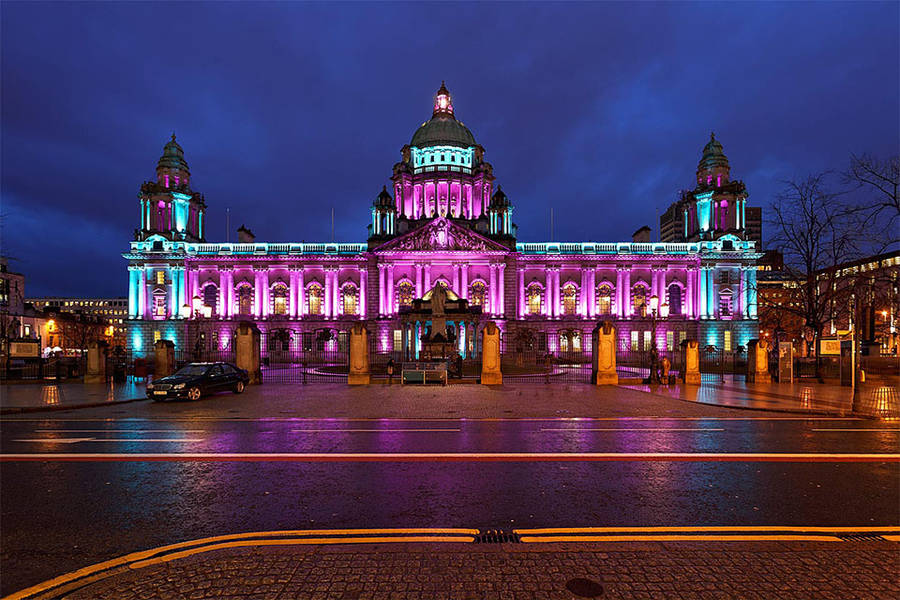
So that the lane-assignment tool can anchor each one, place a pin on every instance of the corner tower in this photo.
(169, 207)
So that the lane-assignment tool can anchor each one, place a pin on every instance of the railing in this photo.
(607, 248)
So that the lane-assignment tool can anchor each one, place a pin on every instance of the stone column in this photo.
(758, 361)
(691, 375)
(301, 289)
(257, 293)
(329, 283)
(751, 293)
(620, 302)
(490, 355)
(134, 281)
(501, 290)
(743, 295)
(592, 293)
(689, 294)
(363, 291)
(465, 281)
(292, 292)
(222, 309)
(96, 362)
(418, 280)
(427, 280)
(336, 292)
(626, 293)
(174, 308)
(521, 311)
(603, 348)
(390, 290)
(456, 280)
(654, 283)
(164, 351)
(246, 355)
(142, 295)
(493, 289)
(381, 294)
(359, 355)
(663, 283)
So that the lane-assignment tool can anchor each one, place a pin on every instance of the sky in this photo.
(289, 110)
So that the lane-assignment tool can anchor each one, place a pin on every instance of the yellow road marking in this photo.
(720, 528)
(298, 542)
(682, 538)
(892, 538)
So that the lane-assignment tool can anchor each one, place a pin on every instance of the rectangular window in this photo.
(648, 341)
(398, 340)
(670, 340)
(727, 344)
(160, 277)
(634, 340)
(682, 335)
(156, 335)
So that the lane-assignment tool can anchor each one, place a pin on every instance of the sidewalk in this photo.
(31, 397)
(801, 397)
(514, 571)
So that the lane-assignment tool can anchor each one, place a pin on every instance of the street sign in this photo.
(25, 349)
(829, 347)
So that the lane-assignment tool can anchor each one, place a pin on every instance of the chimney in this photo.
(245, 236)
(642, 235)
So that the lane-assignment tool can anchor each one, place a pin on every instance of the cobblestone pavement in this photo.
(747, 570)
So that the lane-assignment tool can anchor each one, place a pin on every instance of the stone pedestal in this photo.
(165, 358)
(359, 356)
(246, 350)
(604, 355)
(691, 374)
(96, 362)
(758, 362)
(490, 355)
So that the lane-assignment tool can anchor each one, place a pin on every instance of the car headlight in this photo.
(178, 386)
(149, 386)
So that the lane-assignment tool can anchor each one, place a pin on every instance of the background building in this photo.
(112, 311)
(443, 223)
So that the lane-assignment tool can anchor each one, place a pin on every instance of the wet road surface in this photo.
(69, 514)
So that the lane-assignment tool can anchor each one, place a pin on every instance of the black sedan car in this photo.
(197, 379)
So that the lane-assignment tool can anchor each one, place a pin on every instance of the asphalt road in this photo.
(83, 501)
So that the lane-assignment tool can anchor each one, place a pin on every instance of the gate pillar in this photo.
(692, 362)
(603, 342)
(165, 358)
(758, 361)
(96, 362)
(359, 356)
(490, 355)
(246, 350)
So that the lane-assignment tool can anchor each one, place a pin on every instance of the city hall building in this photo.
(444, 220)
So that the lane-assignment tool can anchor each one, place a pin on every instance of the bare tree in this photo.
(816, 230)
(879, 179)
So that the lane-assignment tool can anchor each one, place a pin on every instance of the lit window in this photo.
(314, 298)
(245, 300)
(604, 299)
(159, 305)
(727, 341)
(477, 293)
(279, 299)
(156, 336)
(639, 300)
(350, 297)
(398, 339)
(634, 340)
(725, 302)
(570, 298)
(535, 297)
(160, 279)
(648, 340)
(405, 291)
(670, 340)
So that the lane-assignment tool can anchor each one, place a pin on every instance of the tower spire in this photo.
(443, 104)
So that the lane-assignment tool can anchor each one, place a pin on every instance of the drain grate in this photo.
(862, 537)
(496, 536)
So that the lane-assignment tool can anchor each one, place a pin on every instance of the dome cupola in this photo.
(442, 129)
(713, 166)
(172, 169)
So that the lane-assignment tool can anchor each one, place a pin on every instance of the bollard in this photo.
(490, 355)
(359, 356)
(692, 363)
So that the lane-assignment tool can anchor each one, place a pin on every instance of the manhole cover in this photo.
(584, 588)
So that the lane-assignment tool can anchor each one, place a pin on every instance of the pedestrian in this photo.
(390, 371)
(666, 365)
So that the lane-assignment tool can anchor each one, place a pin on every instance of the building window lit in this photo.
(279, 299)
(604, 299)
(156, 335)
(727, 341)
(405, 291)
(159, 305)
(648, 340)
(725, 301)
(398, 339)
(535, 297)
(634, 340)
(639, 299)
(160, 278)
(211, 297)
(245, 300)
(570, 341)
(569, 298)
(314, 298)
(477, 293)
(674, 299)
(350, 298)
(670, 340)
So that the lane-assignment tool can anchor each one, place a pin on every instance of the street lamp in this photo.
(185, 311)
(657, 311)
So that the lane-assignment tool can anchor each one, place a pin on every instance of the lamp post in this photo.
(657, 311)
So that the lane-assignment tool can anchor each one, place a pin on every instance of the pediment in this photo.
(442, 235)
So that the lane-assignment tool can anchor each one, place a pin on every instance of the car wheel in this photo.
(239, 387)
(194, 393)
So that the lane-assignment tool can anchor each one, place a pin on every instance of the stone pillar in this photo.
(363, 291)
(246, 355)
(381, 294)
(465, 282)
(758, 362)
(603, 347)
(427, 280)
(592, 293)
(222, 308)
(96, 362)
(142, 295)
(419, 280)
(490, 355)
(620, 302)
(390, 290)
(359, 355)
(689, 294)
(165, 358)
(691, 375)
(626, 293)
(493, 290)
(329, 283)
(301, 298)
(257, 293)
(292, 293)
(455, 282)
(521, 292)
(501, 290)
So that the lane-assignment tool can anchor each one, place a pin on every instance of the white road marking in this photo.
(634, 429)
(365, 430)
(91, 439)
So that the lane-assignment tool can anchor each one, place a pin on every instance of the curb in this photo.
(17, 410)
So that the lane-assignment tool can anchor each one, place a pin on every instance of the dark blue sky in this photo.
(287, 110)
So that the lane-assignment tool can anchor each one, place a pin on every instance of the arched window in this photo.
(211, 297)
(315, 298)
(245, 300)
(604, 299)
(569, 299)
(477, 293)
(639, 299)
(535, 298)
(725, 303)
(279, 299)
(405, 292)
(674, 299)
(159, 304)
(349, 299)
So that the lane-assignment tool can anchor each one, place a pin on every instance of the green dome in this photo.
(442, 130)
(173, 157)
(713, 155)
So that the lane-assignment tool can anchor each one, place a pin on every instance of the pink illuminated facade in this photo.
(443, 222)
